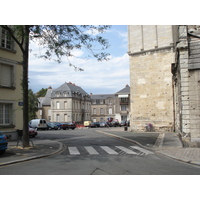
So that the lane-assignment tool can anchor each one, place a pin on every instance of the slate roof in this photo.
(102, 96)
(47, 98)
(125, 90)
(69, 89)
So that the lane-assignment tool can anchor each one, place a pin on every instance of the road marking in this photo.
(109, 150)
(73, 151)
(128, 151)
(159, 141)
(91, 150)
(142, 150)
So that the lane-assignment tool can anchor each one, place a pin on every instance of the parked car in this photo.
(64, 126)
(122, 123)
(71, 126)
(39, 124)
(51, 126)
(58, 124)
(103, 124)
(93, 125)
(115, 124)
(3, 143)
(32, 132)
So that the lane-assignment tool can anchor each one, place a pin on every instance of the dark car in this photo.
(93, 125)
(64, 126)
(103, 124)
(115, 124)
(71, 126)
(3, 143)
(58, 124)
(51, 126)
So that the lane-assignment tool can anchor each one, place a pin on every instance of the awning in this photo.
(123, 96)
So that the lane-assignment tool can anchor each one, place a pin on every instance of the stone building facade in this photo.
(186, 78)
(102, 107)
(122, 99)
(67, 103)
(151, 54)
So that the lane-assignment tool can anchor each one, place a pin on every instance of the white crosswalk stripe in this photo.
(109, 150)
(115, 150)
(128, 151)
(73, 151)
(142, 150)
(91, 150)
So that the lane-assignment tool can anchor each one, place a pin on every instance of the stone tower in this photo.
(151, 54)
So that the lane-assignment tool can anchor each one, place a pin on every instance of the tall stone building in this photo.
(151, 52)
(186, 77)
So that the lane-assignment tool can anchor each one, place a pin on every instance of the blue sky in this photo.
(98, 77)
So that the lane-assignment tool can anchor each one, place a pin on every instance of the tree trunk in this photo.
(25, 139)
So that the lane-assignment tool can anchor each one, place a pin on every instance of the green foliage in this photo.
(32, 105)
(41, 93)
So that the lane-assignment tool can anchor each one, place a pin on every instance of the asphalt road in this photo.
(90, 153)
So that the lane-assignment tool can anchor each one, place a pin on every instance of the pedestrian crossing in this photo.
(109, 150)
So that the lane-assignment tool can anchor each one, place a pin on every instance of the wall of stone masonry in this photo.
(187, 83)
(151, 54)
(151, 90)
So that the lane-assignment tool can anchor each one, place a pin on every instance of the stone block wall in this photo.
(151, 90)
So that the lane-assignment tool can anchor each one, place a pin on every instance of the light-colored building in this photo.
(103, 107)
(67, 103)
(11, 115)
(122, 104)
(44, 106)
(151, 53)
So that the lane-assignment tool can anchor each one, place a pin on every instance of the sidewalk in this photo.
(167, 144)
(38, 149)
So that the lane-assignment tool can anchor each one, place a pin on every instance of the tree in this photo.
(41, 93)
(58, 41)
(32, 105)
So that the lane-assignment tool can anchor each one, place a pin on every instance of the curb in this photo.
(159, 141)
(61, 147)
(125, 139)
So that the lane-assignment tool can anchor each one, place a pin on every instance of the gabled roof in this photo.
(125, 90)
(69, 89)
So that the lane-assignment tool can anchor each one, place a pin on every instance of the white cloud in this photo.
(97, 77)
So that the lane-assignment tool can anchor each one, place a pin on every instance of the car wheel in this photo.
(2, 152)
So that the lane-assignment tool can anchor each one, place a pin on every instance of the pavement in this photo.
(167, 144)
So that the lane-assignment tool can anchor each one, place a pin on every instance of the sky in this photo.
(105, 77)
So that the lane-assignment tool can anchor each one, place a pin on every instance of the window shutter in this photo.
(5, 75)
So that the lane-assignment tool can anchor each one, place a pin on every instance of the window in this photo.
(6, 75)
(57, 117)
(124, 100)
(6, 40)
(98, 101)
(110, 110)
(101, 111)
(5, 113)
(94, 111)
(123, 108)
(57, 105)
(65, 104)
